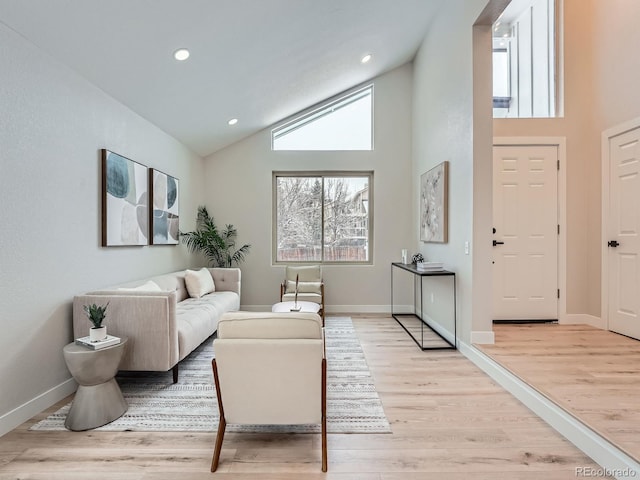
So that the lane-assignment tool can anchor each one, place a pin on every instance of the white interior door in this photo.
(525, 216)
(624, 233)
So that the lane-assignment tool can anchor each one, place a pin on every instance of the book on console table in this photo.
(97, 345)
(429, 266)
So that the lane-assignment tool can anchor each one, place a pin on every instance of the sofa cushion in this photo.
(196, 320)
(223, 301)
(199, 282)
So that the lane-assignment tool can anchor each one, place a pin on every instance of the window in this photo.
(524, 60)
(342, 124)
(322, 217)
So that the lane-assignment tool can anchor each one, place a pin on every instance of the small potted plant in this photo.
(96, 314)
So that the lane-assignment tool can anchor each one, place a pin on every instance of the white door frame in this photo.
(606, 165)
(561, 144)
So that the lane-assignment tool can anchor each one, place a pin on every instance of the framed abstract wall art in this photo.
(434, 192)
(164, 212)
(125, 208)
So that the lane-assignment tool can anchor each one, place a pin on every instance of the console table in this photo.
(420, 337)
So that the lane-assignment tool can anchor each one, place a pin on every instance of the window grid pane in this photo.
(299, 223)
(323, 218)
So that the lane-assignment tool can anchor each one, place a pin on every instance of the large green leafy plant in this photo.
(217, 245)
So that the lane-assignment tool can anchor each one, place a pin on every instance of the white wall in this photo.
(52, 125)
(443, 130)
(238, 191)
(616, 61)
(616, 66)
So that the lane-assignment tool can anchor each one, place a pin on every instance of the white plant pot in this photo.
(98, 334)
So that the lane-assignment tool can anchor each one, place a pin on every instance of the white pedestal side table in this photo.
(98, 400)
(307, 307)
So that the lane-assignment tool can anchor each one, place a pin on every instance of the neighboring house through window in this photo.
(322, 217)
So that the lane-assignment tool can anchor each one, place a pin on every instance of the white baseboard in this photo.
(24, 412)
(446, 334)
(483, 337)
(605, 454)
(338, 309)
(369, 309)
(583, 319)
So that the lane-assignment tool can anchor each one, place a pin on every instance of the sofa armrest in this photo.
(226, 279)
(148, 319)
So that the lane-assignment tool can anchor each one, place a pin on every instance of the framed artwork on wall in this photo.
(434, 215)
(164, 213)
(125, 208)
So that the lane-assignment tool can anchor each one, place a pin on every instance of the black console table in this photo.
(413, 317)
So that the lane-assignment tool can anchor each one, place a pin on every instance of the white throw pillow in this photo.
(199, 282)
(150, 286)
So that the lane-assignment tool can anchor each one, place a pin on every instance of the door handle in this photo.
(613, 243)
(496, 243)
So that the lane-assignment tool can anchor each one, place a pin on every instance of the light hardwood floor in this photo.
(449, 420)
(593, 374)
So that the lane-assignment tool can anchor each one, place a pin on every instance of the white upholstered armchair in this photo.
(310, 285)
(270, 369)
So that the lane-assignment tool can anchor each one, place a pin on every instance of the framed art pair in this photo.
(140, 205)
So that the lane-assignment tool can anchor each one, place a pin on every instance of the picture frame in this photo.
(125, 208)
(434, 204)
(164, 210)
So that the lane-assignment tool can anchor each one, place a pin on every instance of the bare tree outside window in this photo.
(322, 218)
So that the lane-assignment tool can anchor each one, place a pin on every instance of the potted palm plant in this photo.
(217, 245)
(97, 314)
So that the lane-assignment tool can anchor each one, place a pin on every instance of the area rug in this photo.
(157, 404)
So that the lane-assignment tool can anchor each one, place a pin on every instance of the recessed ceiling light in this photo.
(181, 54)
(233, 121)
(366, 58)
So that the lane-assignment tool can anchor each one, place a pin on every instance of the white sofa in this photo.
(163, 323)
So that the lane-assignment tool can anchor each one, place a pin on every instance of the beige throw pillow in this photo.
(199, 282)
(303, 287)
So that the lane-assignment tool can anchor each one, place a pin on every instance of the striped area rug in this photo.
(156, 404)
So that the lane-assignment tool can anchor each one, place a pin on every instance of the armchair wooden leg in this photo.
(222, 425)
(175, 373)
(218, 448)
(324, 415)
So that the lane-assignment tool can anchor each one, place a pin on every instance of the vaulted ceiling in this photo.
(259, 61)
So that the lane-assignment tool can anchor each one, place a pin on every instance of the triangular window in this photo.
(342, 124)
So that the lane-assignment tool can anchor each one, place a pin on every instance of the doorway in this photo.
(621, 229)
(527, 230)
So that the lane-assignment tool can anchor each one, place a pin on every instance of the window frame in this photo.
(322, 174)
(524, 100)
(320, 110)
